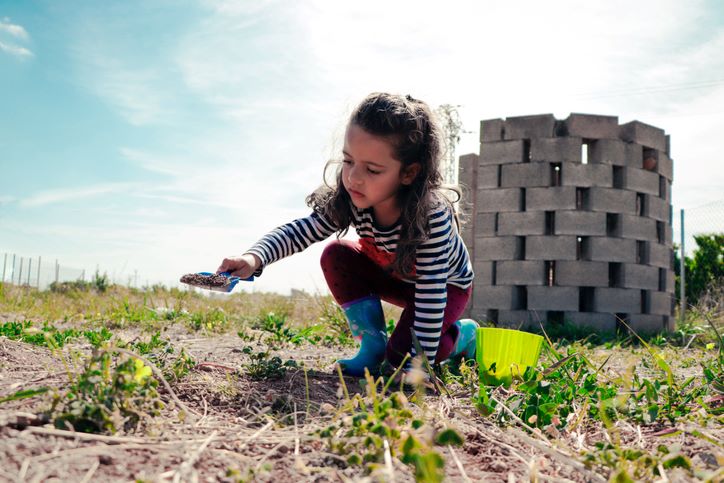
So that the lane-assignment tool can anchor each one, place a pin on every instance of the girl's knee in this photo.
(335, 252)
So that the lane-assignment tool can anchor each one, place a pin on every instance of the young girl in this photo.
(409, 251)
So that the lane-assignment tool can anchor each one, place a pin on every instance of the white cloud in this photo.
(151, 163)
(57, 196)
(134, 92)
(15, 50)
(14, 30)
(17, 32)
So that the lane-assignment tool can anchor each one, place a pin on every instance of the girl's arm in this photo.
(432, 267)
(288, 239)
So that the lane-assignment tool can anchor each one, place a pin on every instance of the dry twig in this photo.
(187, 465)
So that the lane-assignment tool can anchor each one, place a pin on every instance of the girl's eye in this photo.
(370, 171)
(346, 161)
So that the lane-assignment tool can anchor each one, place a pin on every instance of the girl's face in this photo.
(370, 173)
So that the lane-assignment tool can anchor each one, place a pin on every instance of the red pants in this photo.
(352, 275)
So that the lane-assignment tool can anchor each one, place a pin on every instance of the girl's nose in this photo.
(353, 177)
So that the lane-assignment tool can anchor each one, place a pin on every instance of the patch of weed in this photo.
(370, 429)
(113, 393)
(162, 353)
(214, 320)
(264, 366)
(50, 336)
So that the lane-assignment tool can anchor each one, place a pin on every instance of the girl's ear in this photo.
(410, 173)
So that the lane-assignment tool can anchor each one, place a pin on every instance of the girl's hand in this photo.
(243, 266)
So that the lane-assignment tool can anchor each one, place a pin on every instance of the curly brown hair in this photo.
(410, 127)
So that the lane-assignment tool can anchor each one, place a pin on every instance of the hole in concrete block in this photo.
(585, 299)
(662, 187)
(583, 198)
(584, 153)
(499, 175)
(641, 252)
(492, 315)
(521, 297)
(615, 275)
(550, 268)
(645, 302)
(660, 232)
(494, 271)
(649, 159)
(560, 129)
(526, 150)
(612, 224)
(555, 174)
(618, 175)
(520, 248)
(522, 203)
(495, 222)
(640, 204)
(550, 227)
(662, 280)
(556, 317)
(583, 248)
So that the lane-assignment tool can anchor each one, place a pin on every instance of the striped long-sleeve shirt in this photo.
(442, 259)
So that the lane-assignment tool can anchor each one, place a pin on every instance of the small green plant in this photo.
(635, 464)
(127, 313)
(50, 336)
(113, 393)
(162, 353)
(69, 287)
(277, 325)
(281, 333)
(367, 429)
(210, 321)
(333, 319)
(264, 366)
(100, 282)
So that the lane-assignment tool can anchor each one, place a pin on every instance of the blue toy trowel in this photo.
(212, 281)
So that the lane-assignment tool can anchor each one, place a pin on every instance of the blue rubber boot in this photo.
(367, 323)
(465, 344)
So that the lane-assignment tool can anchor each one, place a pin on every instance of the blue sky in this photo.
(160, 136)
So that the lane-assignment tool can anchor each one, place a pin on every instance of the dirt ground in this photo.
(231, 438)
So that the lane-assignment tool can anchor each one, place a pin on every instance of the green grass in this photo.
(673, 380)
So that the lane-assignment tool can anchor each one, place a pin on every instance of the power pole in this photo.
(452, 127)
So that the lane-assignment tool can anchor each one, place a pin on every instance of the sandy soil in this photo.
(231, 437)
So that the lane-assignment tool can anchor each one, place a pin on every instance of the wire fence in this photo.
(687, 223)
(40, 272)
(708, 218)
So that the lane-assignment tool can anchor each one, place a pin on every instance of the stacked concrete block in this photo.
(570, 221)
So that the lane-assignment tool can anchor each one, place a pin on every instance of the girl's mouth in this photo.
(355, 194)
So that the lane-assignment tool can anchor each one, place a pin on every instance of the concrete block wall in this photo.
(570, 220)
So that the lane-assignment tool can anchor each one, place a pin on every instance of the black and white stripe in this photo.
(442, 259)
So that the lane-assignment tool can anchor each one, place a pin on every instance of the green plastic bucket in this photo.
(505, 353)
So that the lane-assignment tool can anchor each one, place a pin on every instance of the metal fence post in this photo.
(57, 270)
(20, 272)
(38, 284)
(682, 271)
(13, 274)
(5, 264)
(30, 269)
